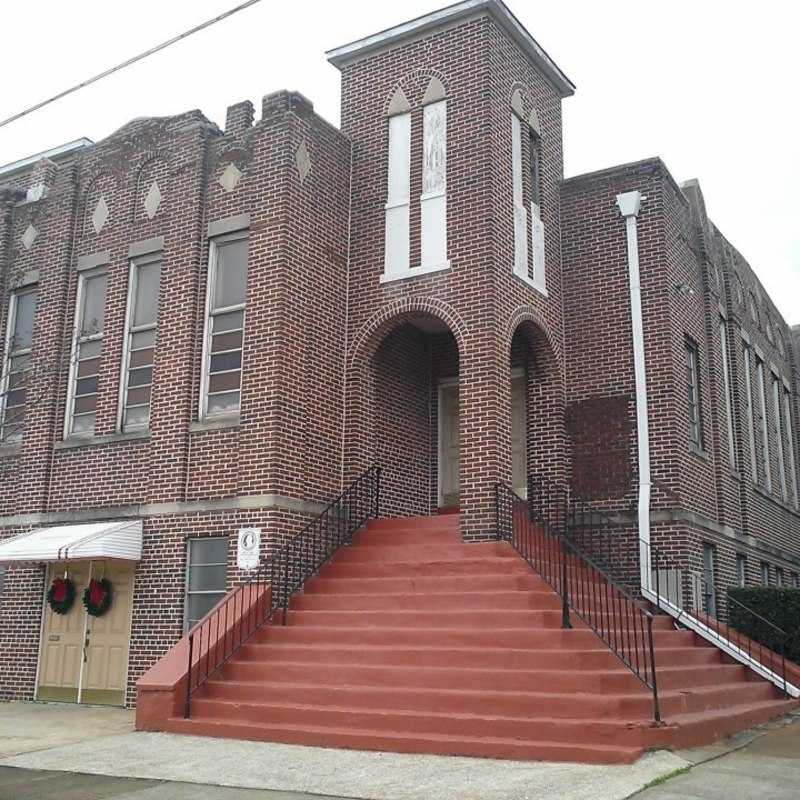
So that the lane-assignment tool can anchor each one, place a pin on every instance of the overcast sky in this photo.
(710, 86)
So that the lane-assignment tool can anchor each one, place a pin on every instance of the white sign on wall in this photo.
(249, 547)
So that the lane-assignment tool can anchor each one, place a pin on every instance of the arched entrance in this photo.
(538, 436)
(404, 412)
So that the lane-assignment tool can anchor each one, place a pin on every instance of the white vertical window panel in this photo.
(776, 408)
(397, 202)
(433, 202)
(537, 226)
(520, 216)
(787, 426)
(748, 391)
(537, 248)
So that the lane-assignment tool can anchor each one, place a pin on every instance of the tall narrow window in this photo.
(779, 576)
(741, 569)
(207, 561)
(751, 427)
(694, 407)
(16, 365)
(537, 227)
(764, 573)
(520, 215)
(710, 591)
(143, 285)
(726, 385)
(222, 367)
(777, 415)
(787, 429)
(397, 202)
(762, 410)
(86, 353)
(433, 202)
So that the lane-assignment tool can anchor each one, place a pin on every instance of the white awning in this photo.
(94, 540)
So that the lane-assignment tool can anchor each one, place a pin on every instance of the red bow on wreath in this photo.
(97, 597)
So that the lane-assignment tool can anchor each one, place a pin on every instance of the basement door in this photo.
(83, 658)
(448, 443)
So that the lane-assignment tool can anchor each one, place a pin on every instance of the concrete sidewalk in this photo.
(103, 758)
(764, 764)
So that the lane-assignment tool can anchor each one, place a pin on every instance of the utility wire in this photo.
(130, 61)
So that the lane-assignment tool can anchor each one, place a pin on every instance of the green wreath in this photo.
(61, 595)
(97, 597)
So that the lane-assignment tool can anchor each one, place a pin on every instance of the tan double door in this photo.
(85, 658)
(449, 439)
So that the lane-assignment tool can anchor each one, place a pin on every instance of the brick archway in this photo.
(394, 367)
(531, 347)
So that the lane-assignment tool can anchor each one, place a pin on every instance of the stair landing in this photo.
(412, 641)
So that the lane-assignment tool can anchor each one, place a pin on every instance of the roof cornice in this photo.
(346, 54)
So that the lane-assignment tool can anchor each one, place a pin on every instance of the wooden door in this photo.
(62, 639)
(448, 445)
(519, 435)
(108, 638)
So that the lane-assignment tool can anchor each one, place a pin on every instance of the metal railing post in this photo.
(565, 623)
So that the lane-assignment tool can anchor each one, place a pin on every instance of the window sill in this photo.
(91, 441)
(533, 285)
(415, 272)
(778, 502)
(214, 423)
(10, 450)
(698, 453)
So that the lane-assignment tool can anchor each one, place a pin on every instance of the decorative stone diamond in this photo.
(29, 237)
(230, 177)
(100, 214)
(303, 161)
(152, 201)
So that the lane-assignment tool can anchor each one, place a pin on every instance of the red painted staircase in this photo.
(412, 641)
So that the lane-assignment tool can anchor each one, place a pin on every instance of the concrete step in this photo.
(401, 742)
(428, 601)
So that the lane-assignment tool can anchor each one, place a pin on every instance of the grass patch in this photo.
(665, 777)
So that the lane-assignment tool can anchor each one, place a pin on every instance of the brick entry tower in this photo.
(455, 273)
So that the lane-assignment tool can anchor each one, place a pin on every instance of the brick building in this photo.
(212, 329)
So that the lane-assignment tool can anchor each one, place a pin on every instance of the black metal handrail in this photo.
(537, 530)
(255, 602)
(684, 593)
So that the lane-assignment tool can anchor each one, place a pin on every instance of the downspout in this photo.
(629, 204)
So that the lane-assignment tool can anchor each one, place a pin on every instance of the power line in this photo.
(130, 61)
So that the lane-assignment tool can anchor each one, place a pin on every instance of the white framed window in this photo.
(206, 568)
(787, 429)
(87, 349)
(531, 268)
(433, 201)
(144, 278)
(520, 214)
(778, 416)
(762, 408)
(726, 386)
(397, 208)
(741, 569)
(779, 577)
(16, 365)
(751, 425)
(224, 328)
(693, 404)
(764, 573)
